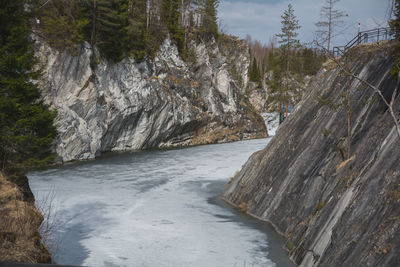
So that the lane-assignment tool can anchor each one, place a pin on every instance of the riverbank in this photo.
(20, 240)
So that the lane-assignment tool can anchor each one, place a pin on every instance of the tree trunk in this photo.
(94, 21)
(330, 26)
(348, 120)
(148, 8)
(287, 77)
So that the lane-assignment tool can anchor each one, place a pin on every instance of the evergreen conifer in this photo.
(26, 124)
(171, 16)
(137, 28)
(209, 26)
(289, 43)
(395, 23)
(108, 27)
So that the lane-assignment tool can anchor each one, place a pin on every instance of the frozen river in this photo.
(156, 208)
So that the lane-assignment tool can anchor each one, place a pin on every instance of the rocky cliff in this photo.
(334, 211)
(160, 102)
(20, 221)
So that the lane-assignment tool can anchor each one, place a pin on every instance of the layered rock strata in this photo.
(335, 208)
(160, 102)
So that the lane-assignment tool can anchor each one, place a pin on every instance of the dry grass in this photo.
(20, 240)
(245, 207)
(344, 163)
(218, 135)
(330, 64)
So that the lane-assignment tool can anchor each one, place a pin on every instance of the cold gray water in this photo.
(156, 208)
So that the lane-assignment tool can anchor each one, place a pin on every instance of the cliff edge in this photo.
(333, 210)
(160, 102)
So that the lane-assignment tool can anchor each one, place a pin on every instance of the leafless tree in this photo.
(378, 91)
(331, 18)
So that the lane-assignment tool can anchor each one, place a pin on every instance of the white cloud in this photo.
(262, 19)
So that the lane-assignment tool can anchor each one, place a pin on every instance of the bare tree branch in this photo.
(374, 88)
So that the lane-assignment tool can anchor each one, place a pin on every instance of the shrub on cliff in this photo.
(26, 124)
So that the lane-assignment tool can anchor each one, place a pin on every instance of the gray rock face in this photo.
(157, 103)
(258, 98)
(334, 212)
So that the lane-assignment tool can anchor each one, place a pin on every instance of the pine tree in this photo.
(289, 43)
(26, 124)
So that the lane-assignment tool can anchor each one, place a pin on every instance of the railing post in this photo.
(365, 37)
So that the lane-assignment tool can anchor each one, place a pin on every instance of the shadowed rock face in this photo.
(161, 102)
(333, 212)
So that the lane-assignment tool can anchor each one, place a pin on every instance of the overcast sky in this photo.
(261, 19)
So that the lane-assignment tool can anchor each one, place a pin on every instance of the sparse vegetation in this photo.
(328, 101)
(325, 132)
(245, 206)
(385, 248)
(317, 208)
(20, 240)
(290, 246)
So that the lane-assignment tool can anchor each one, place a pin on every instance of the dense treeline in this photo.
(26, 124)
(118, 28)
(124, 27)
(267, 58)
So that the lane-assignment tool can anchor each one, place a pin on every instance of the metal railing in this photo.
(370, 36)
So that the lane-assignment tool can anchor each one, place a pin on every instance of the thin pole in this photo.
(348, 120)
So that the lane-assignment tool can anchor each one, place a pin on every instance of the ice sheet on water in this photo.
(153, 208)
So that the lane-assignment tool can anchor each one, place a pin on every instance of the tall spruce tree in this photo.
(289, 43)
(255, 73)
(171, 17)
(108, 26)
(26, 124)
(137, 28)
(209, 26)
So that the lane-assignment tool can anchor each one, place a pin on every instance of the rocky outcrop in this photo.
(160, 102)
(258, 98)
(20, 221)
(335, 210)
